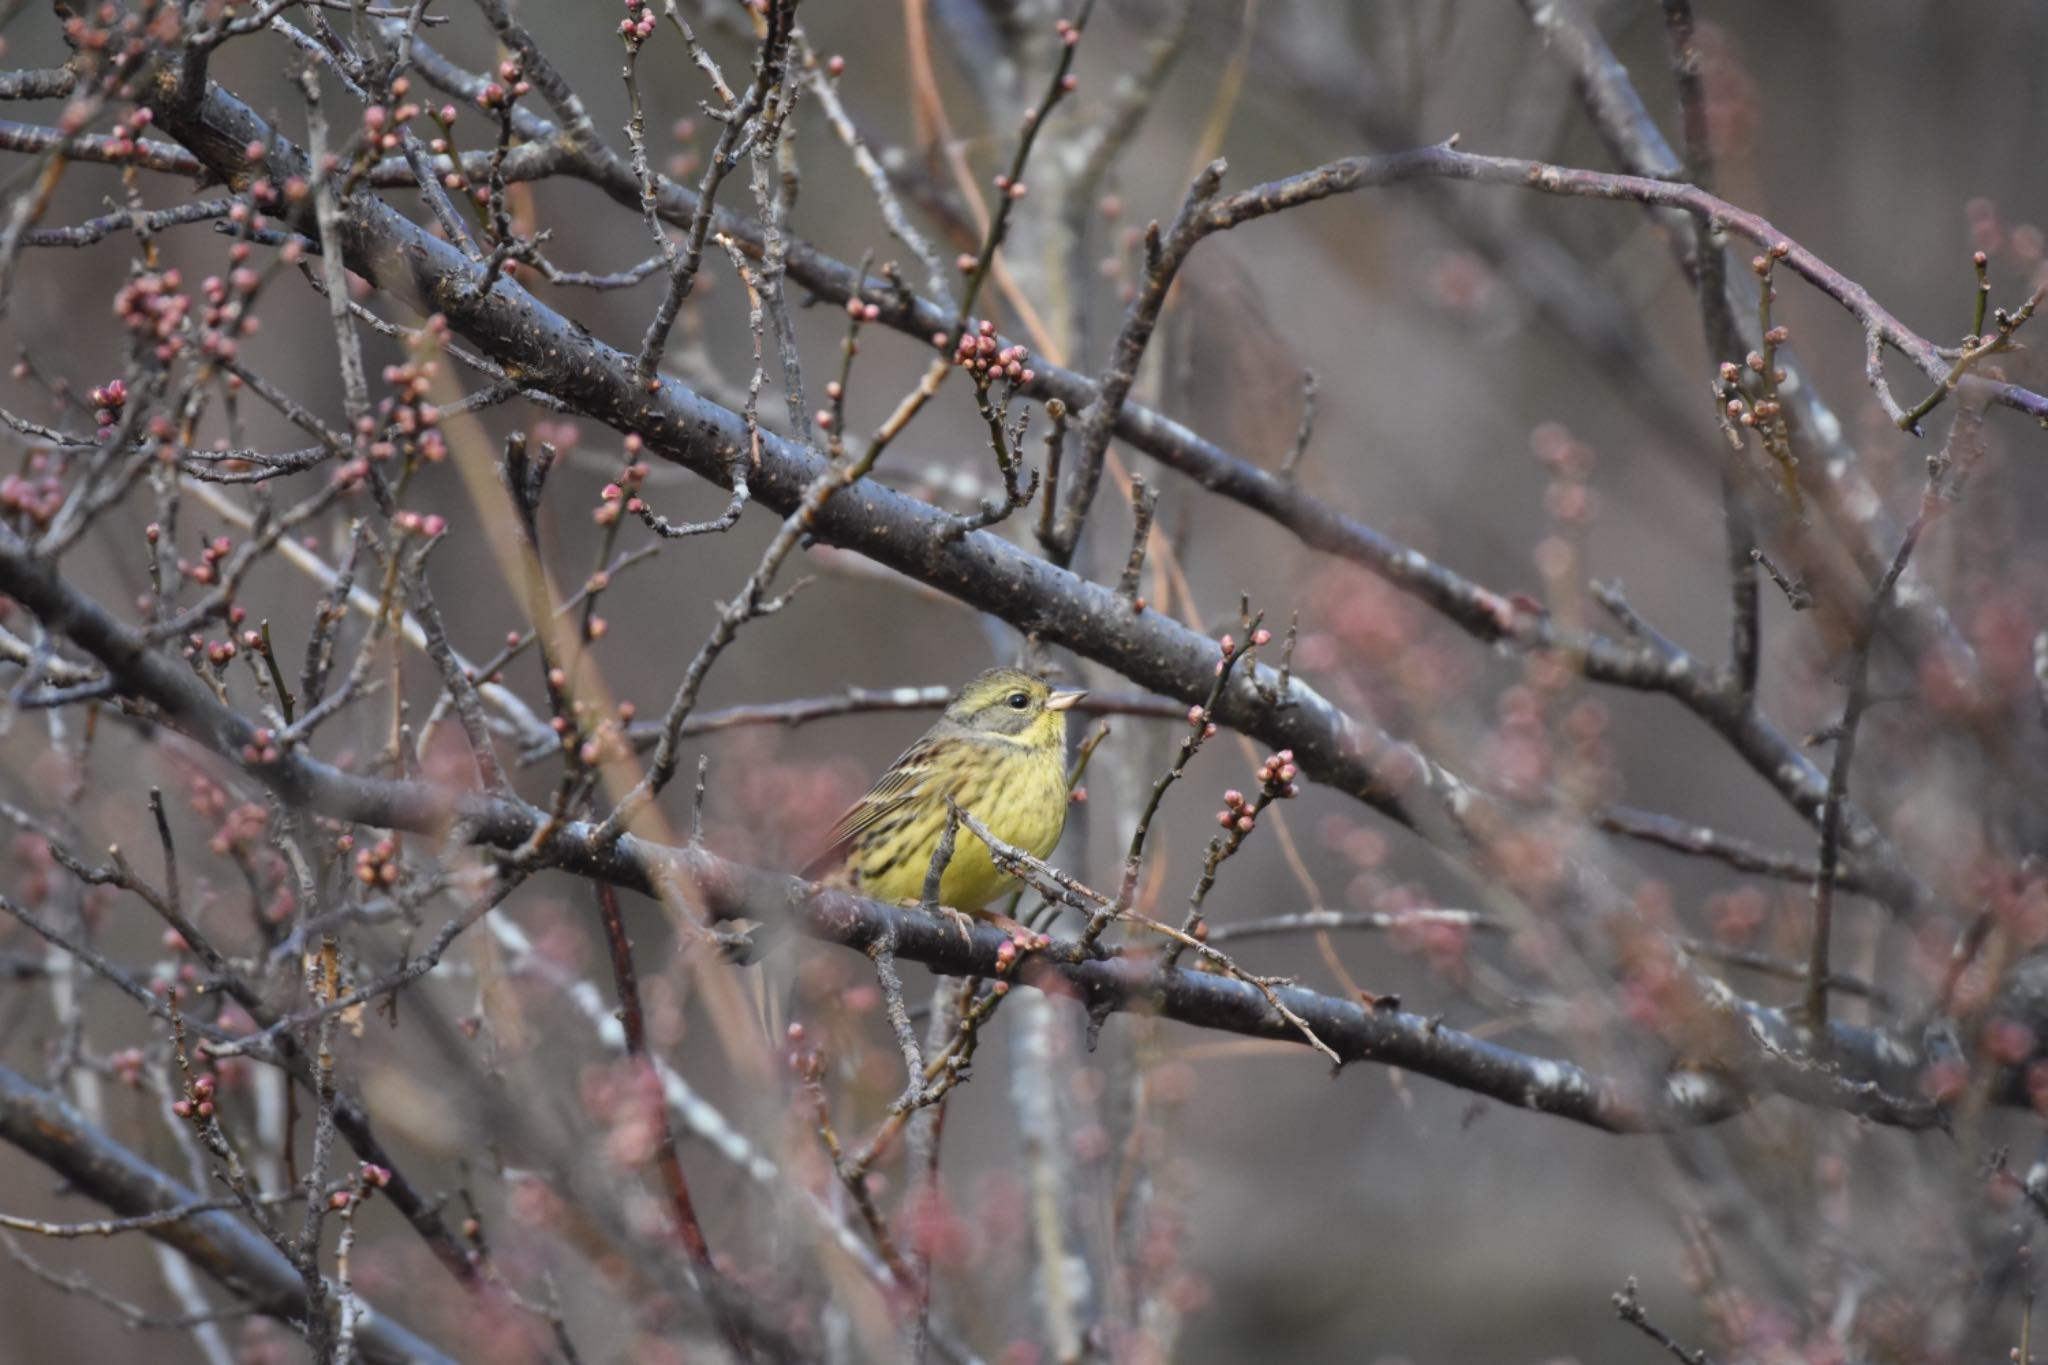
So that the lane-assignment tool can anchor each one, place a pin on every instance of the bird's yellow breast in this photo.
(1019, 793)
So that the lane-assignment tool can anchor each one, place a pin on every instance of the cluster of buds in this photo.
(428, 524)
(153, 306)
(184, 974)
(1276, 783)
(805, 1062)
(1737, 918)
(352, 474)
(370, 1178)
(510, 85)
(207, 571)
(623, 494)
(1764, 409)
(1198, 719)
(34, 496)
(107, 402)
(262, 745)
(127, 1067)
(283, 903)
(198, 1101)
(1237, 813)
(377, 865)
(1069, 33)
(608, 742)
(627, 1102)
(570, 725)
(227, 314)
(208, 799)
(861, 311)
(80, 31)
(1227, 646)
(1277, 774)
(414, 423)
(164, 432)
(265, 193)
(1569, 498)
(979, 354)
(683, 164)
(240, 830)
(561, 436)
(638, 25)
(1259, 637)
(124, 138)
(1562, 453)
(452, 179)
(384, 128)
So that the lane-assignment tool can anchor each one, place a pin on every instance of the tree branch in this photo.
(1875, 1069)
(46, 1127)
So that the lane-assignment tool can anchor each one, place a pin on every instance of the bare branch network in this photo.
(243, 619)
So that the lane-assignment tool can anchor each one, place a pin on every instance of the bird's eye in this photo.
(1018, 700)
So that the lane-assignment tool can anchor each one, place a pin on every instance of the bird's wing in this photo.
(898, 787)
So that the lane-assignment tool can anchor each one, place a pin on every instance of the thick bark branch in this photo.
(46, 1127)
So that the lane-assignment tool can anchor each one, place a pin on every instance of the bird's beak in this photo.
(1060, 701)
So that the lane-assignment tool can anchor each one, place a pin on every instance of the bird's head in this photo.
(1007, 704)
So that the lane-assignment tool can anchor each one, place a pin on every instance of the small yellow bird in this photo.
(999, 752)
